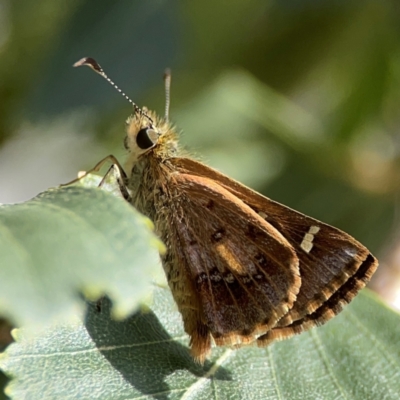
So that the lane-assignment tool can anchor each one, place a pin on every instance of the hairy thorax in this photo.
(150, 188)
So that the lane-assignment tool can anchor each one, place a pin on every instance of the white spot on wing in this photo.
(307, 242)
(306, 246)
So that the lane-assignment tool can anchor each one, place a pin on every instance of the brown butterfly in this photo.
(242, 268)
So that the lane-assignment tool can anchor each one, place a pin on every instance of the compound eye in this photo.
(146, 138)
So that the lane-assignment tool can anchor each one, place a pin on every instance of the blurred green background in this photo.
(298, 99)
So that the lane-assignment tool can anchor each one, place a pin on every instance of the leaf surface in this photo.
(354, 356)
(69, 241)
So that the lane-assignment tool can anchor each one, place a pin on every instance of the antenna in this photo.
(167, 83)
(95, 66)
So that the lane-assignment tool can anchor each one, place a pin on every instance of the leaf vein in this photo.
(325, 361)
(96, 349)
(274, 377)
(191, 390)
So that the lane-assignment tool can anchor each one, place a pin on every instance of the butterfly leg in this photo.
(115, 179)
(97, 168)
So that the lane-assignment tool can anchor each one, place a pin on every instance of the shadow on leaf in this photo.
(142, 351)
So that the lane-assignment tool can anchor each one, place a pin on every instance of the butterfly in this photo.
(243, 269)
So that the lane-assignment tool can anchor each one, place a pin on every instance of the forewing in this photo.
(333, 265)
(244, 271)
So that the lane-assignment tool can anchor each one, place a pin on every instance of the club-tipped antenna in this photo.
(167, 83)
(95, 66)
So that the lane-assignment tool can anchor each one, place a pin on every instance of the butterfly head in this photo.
(146, 133)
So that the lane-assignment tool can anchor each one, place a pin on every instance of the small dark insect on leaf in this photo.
(242, 268)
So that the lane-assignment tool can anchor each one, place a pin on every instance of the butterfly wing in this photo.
(333, 265)
(230, 256)
(328, 309)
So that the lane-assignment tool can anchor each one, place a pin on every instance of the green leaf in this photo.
(69, 241)
(354, 356)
